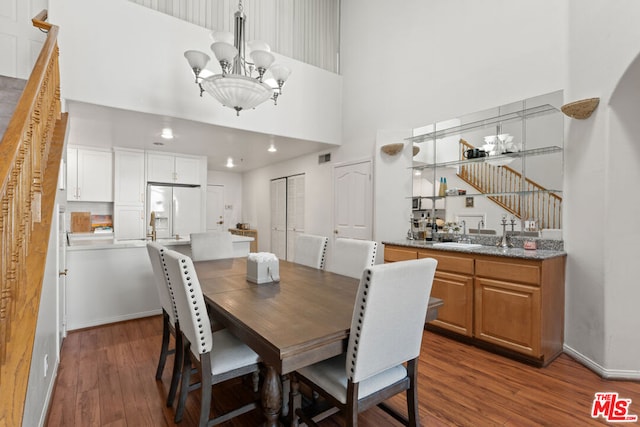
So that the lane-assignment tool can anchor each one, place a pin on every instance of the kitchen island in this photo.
(110, 281)
(508, 300)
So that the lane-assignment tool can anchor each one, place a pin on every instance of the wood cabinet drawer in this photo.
(513, 271)
(393, 254)
(450, 263)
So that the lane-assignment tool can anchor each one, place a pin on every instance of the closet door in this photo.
(295, 212)
(279, 217)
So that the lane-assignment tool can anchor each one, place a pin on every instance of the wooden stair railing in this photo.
(523, 197)
(30, 154)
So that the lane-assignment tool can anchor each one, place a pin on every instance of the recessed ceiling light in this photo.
(272, 148)
(230, 162)
(167, 133)
(417, 173)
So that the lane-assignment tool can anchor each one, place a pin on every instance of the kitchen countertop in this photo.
(538, 254)
(101, 243)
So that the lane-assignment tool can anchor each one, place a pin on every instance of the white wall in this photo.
(120, 54)
(601, 164)
(41, 381)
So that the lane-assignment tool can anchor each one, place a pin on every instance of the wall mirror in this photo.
(501, 164)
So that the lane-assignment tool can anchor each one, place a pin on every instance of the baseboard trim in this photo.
(115, 319)
(609, 374)
(47, 400)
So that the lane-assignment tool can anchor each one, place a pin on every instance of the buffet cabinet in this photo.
(510, 305)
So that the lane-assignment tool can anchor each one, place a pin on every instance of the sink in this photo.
(457, 245)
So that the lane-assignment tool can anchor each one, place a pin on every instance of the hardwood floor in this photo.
(107, 378)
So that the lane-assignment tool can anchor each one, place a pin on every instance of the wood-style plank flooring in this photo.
(107, 378)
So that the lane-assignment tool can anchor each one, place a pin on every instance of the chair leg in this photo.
(351, 413)
(164, 349)
(177, 367)
(205, 390)
(412, 394)
(184, 384)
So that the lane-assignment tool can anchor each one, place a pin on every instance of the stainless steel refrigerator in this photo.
(178, 209)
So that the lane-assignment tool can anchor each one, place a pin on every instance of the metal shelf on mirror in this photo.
(509, 193)
(493, 159)
(492, 121)
(427, 197)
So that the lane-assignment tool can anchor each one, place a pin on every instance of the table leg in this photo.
(296, 400)
(271, 398)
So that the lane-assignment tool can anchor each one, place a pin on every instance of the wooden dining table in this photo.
(303, 319)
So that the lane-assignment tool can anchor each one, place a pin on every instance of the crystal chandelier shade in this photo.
(237, 87)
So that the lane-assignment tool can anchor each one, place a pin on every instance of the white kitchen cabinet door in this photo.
(72, 174)
(171, 169)
(95, 175)
(89, 175)
(129, 176)
(129, 222)
(187, 170)
(160, 168)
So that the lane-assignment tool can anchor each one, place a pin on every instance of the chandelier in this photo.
(242, 84)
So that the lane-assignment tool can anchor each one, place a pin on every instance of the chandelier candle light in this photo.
(241, 84)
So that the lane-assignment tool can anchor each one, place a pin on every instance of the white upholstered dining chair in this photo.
(310, 250)
(386, 332)
(352, 256)
(218, 356)
(170, 324)
(211, 245)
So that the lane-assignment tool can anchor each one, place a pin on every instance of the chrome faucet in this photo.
(480, 225)
(464, 238)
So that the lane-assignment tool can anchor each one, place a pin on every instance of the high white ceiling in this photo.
(99, 126)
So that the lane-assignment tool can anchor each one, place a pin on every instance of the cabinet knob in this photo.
(63, 273)
(335, 231)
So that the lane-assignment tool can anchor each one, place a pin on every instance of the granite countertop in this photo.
(537, 254)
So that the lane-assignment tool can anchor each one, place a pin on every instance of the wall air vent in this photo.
(324, 158)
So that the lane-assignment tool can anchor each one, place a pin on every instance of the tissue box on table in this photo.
(262, 267)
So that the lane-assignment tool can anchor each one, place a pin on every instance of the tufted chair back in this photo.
(163, 286)
(310, 250)
(351, 256)
(389, 315)
(190, 305)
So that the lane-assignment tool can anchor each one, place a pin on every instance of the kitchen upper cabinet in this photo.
(129, 176)
(89, 175)
(172, 169)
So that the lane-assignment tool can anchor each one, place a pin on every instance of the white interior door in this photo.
(215, 208)
(279, 217)
(295, 211)
(353, 207)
